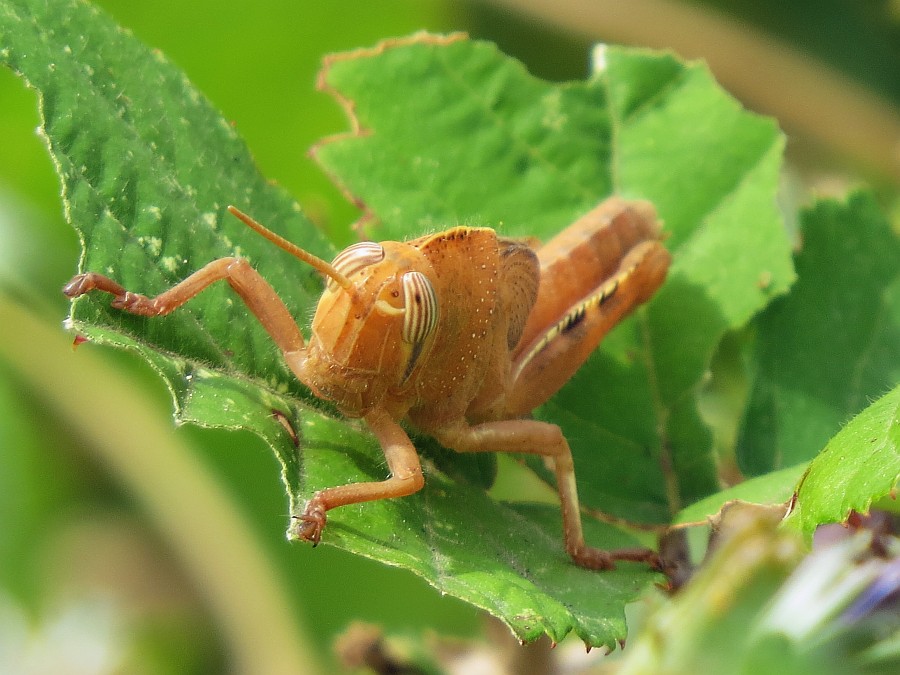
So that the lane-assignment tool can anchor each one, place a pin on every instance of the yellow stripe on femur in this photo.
(576, 315)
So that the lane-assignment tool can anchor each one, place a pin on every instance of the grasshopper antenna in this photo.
(285, 245)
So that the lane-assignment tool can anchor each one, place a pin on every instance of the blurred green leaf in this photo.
(27, 499)
(478, 140)
(759, 604)
(858, 466)
(860, 38)
(830, 346)
(705, 628)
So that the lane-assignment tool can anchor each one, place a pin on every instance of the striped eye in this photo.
(353, 258)
(421, 313)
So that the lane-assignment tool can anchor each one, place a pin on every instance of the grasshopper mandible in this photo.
(461, 333)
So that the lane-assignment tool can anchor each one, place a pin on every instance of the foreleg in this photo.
(255, 291)
(406, 478)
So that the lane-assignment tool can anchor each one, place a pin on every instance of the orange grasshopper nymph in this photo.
(461, 333)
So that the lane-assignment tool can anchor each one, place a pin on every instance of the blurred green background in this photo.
(89, 560)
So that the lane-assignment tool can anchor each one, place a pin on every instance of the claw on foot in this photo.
(640, 555)
(85, 283)
(122, 299)
(311, 522)
(593, 559)
(598, 559)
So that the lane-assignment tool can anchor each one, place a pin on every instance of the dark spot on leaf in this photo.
(522, 165)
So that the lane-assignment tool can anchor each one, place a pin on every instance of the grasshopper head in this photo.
(369, 336)
(374, 323)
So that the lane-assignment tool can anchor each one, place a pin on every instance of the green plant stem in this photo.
(212, 538)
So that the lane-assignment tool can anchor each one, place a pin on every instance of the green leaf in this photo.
(147, 167)
(478, 140)
(830, 346)
(454, 132)
(858, 466)
(776, 487)
(504, 558)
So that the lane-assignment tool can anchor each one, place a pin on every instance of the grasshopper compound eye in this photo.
(421, 308)
(356, 258)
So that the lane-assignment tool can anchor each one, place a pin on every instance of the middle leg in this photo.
(543, 438)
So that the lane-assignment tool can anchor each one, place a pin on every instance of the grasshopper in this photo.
(460, 333)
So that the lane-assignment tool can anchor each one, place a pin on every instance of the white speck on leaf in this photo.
(152, 244)
(209, 218)
(553, 117)
(227, 127)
